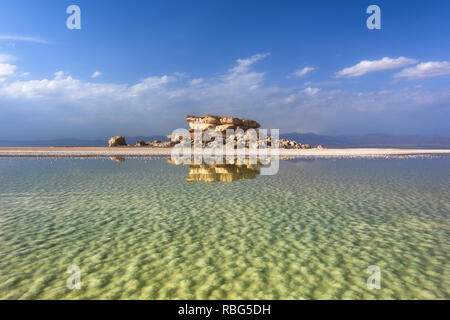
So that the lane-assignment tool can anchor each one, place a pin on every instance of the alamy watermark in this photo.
(374, 20)
(374, 281)
(74, 280)
(74, 20)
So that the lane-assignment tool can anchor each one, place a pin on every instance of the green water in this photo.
(138, 230)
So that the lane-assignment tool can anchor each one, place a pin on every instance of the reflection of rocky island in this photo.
(221, 172)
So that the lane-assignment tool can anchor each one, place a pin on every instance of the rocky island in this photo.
(217, 124)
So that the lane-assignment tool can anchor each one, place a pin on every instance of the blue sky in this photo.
(138, 67)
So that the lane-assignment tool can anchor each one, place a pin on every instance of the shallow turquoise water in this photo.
(138, 230)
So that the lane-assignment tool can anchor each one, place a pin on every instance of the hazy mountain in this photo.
(363, 141)
(68, 142)
(376, 140)
(132, 140)
(72, 142)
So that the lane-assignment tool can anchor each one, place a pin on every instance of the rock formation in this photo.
(217, 124)
(117, 141)
(141, 143)
(289, 144)
(220, 123)
(160, 144)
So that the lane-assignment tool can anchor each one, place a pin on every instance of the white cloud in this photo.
(301, 72)
(5, 58)
(151, 83)
(61, 89)
(65, 87)
(244, 64)
(23, 38)
(196, 81)
(367, 66)
(180, 74)
(312, 91)
(425, 70)
(96, 74)
(7, 69)
(59, 75)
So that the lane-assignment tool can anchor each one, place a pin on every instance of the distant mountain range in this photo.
(376, 140)
(73, 142)
(362, 141)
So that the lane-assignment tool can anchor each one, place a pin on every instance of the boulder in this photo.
(289, 144)
(117, 141)
(160, 144)
(140, 143)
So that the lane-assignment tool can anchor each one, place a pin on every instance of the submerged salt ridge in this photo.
(138, 230)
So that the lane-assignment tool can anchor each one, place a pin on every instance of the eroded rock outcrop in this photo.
(220, 123)
(117, 141)
(141, 143)
(288, 144)
(160, 144)
(155, 144)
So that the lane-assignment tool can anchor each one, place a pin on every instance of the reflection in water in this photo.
(306, 233)
(220, 172)
(117, 159)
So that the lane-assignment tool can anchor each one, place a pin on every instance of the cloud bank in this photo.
(63, 106)
(366, 66)
(425, 70)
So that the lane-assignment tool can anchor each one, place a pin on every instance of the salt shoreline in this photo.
(155, 152)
